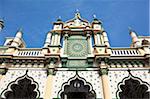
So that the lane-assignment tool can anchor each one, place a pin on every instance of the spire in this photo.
(48, 39)
(130, 30)
(134, 37)
(1, 24)
(19, 33)
(17, 40)
(77, 14)
(94, 16)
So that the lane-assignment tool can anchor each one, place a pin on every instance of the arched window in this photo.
(133, 88)
(77, 88)
(22, 88)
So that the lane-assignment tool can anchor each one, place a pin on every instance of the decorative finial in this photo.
(77, 14)
(130, 29)
(59, 18)
(77, 10)
(20, 29)
(19, 33)
(94, 16)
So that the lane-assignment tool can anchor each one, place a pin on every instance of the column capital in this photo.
(103, 71)
(3, 71)
(51, 71)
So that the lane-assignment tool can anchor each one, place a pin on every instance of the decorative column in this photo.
(106, 41)
(89, 42)
(102, 39)
(48, 39)
(56, 39)
(65, 47)
(49, 83)
(98, 39)
(105, 80)
(52, 42)
(95, 39)
(105, 83)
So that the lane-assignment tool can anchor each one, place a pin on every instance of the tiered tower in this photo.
(76, 62)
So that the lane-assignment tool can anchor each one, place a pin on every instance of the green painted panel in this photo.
(77, 63)
(77, 46)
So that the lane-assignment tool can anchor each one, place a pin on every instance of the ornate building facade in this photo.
(75, 62)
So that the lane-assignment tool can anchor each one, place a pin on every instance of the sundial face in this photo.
(77, 48)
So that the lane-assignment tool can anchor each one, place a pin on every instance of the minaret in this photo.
(17, 40)
(96, 24)
(134, 37)
(48, 39)
(100, 36)
(56, 33)
(1, 24)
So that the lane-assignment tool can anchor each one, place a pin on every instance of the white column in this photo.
(58, 41)
(95, 39)
(65, 45)
(89, 43)
(98, 39)
(49, 82)
(52, 42)
(48, 89)
(105, 83)
(48, 39)
(102, 40)
(105, 39)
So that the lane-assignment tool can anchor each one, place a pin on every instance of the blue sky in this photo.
(35, 17)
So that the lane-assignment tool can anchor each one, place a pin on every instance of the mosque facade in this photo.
(75, 62)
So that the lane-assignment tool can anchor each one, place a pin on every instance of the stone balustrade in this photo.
(29, 52)
(125, 52)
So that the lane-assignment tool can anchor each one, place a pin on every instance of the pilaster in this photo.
(49, 82)
(105, 83)
(65, 47)
(89, 43)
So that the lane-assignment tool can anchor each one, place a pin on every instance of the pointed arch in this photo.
(23, 87)
(132, 87)
(77, 87)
